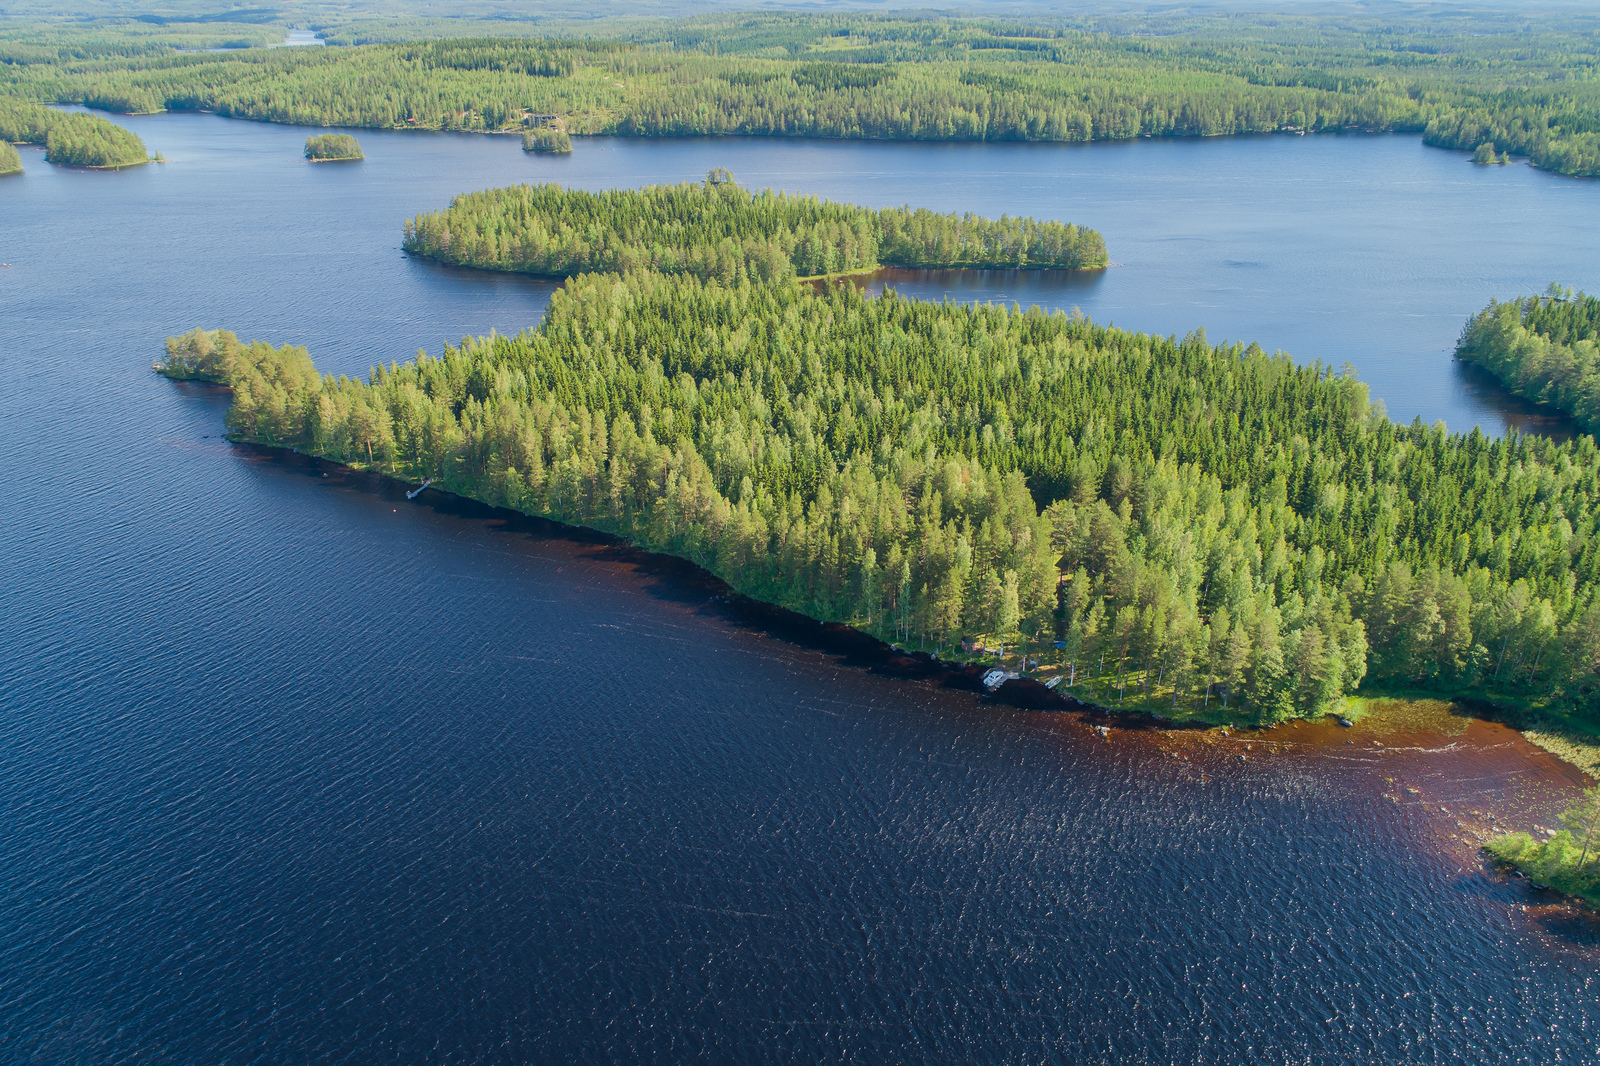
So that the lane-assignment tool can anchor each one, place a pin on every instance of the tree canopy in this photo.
(547, 139)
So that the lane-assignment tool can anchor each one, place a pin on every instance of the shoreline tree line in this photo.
(1543, 348)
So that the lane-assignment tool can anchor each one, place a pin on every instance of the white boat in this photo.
(414, 493)
(1053, 682)
(994, 679)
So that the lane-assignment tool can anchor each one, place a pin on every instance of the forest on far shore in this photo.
(1527, 83)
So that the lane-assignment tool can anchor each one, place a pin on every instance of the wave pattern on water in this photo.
(293, 770)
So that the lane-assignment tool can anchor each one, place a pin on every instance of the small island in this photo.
(1543, 348)
(71, 138)
(333, 148)
(549, 140)
(10, 161)
(1485, 155)
(716, 229)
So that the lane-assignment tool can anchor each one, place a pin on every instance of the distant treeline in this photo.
(1180, 525)
(719, 230)
(333, 146)
(69, 137)
(43, 39)
(1544, 348)
(1527, 85)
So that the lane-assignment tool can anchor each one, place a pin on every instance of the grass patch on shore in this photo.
(1568, 861)
(1553, 863)
(1567, 745)
(1566, 738)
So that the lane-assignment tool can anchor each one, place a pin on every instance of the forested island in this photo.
(1528, 84)
(1543, 348)
(719, 230)
(10, 161)
(1184, 528)
(70, 138)
(546, 140)
(332, 148)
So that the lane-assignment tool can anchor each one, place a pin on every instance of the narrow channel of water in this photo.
(293, 770)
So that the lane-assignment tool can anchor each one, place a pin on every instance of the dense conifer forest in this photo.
(720, 230)
(1528, 84)
(1183, 527)
(333, 146)
(10, 161)
(1545, 348)
(70, 138)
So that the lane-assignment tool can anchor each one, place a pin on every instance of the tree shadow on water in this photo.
(681, 582)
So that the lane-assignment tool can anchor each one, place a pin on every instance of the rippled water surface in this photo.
(292, 770)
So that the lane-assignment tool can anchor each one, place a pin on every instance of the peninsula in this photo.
(70, 138)
(1567, 860)
(1197, 531)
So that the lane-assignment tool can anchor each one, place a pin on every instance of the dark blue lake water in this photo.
(294, 771)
